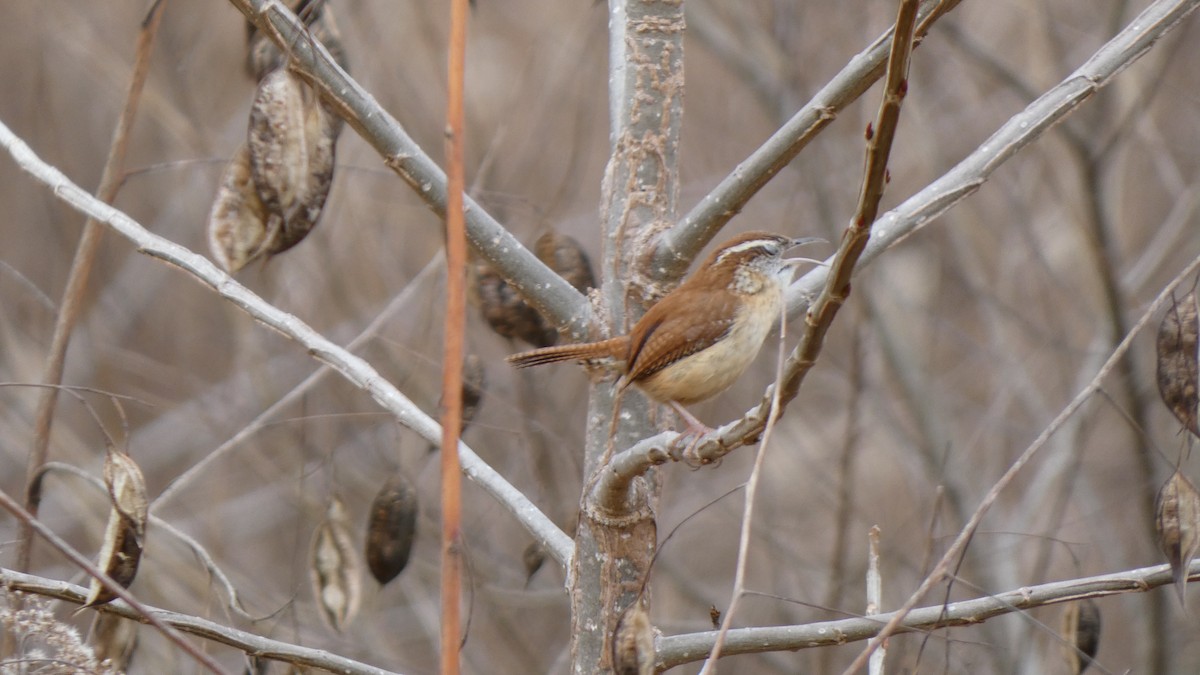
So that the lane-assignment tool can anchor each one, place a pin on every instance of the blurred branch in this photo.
(264, 648)
(400, 301)
(81, 270)
(679, 649)
(537, 283)
(353, 368)
(679, 245)
(757, 59)
(956, 549)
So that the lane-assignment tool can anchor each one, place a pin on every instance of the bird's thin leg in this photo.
(696, 429)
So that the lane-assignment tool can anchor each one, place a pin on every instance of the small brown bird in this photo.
(696, 341)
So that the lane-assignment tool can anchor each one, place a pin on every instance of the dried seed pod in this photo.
(533, 558)
(237, 230)
(277, 141)
(507, 313)
(119, 558)
(334, 569)
(391, 528)
(633, 642)
(121, 551)
(263, 56)
(114, 640)
(1177, 524)
(1177, 369)
(473, 382)
(565, 255)
(1080, 634)
(293, 142)
(127, 489)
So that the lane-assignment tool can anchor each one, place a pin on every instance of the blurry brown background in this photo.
(956, 349)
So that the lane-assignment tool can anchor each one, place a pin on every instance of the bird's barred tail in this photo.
(613, 348)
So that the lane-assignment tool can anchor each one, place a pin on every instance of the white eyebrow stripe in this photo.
(746, 246)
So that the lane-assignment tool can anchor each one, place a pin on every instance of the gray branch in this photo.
(251, 644)
(356, 370)
(538, 284)
(679, 649)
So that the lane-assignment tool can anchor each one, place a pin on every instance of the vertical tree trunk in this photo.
(615, 542)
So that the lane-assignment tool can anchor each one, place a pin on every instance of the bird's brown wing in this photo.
(656, 343)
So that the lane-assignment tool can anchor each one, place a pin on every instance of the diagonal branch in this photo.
(238, 639)
(537, 283)
(677, 247)
(353, 368)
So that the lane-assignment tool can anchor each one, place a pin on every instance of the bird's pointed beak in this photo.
(804, 241)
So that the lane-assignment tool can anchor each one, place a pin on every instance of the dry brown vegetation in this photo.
(958, 346)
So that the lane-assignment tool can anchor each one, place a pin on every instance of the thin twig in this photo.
(81, 269)
(743, 554)
(854, 240)
(452, 353)
(874, 593)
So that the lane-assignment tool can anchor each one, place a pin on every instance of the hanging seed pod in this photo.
(1080, 634)
(278, 146)
(533, 558)
(263, 56)
(334, 569)
(633, 643)
(564, 255)
(1177, 524)
(1177, 369)
(391, 528)
(121, 550)
(127, 489)
(114, 640)
(506, 312)
(473, 382)
(237, 230)
(120, 555)
(504, 309)
(292, 139)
